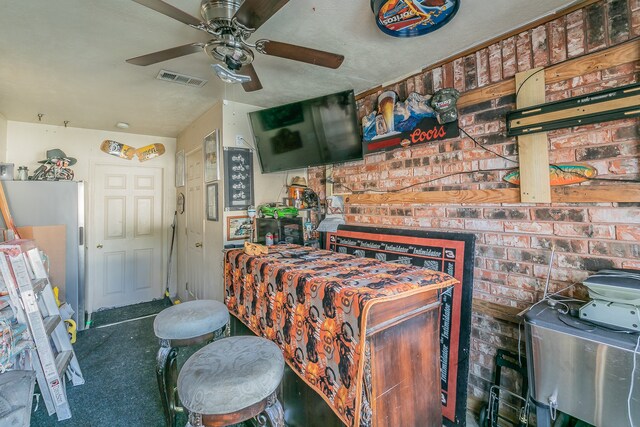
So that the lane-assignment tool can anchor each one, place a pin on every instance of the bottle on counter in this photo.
(307, 229)
(23, 173)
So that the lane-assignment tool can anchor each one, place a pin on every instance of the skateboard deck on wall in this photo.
(150, 151)
(117, 149)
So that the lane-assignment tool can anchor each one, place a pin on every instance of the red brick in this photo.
(631, 264)
(528, 227)
(614, 249)
(438, 82)
(447, 75)
(491, 276)
(523, 51)
(586, 79)
(516, 241)
(428, 222)
(558, 40)
(557, 96)
(495, 62)
(458, 74)
(596, 27)
(563, 245)
(624, 166)
(635, 23)
(509, 266)
(526, 283)
(418, 83)
(513, 294)
(540, 46)
(411, 86)
(509, 66)
(561, 274)
(447, 223)
(566, 155)
(584, 230)
(618, 20)
(482, 61)
(615, 215)
(575, 34)
(628, 232)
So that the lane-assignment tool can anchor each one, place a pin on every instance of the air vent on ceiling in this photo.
(171, 76)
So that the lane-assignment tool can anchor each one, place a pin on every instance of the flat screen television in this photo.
(314, 132)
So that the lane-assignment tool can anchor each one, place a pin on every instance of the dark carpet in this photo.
(120, 390)
(113, 315)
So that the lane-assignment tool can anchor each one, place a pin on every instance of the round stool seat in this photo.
(230, 375)
(190, 319)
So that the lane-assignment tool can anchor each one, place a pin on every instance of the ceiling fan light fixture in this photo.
(229, 76)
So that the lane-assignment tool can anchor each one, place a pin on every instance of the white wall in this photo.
(269, 187)
(231, 119)
(27, 143)
(3, 139)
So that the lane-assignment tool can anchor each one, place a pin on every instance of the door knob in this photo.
(198, 245)
(99, 246)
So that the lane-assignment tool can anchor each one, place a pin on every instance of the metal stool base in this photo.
(167, 370)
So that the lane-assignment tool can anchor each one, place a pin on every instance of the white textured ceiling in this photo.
(66, 58)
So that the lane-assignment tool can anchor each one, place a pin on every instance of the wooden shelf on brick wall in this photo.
(497, 311)
(616, 193)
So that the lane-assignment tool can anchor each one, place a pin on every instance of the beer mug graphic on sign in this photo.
(386, 105)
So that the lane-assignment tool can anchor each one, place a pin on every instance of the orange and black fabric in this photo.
(314, 303)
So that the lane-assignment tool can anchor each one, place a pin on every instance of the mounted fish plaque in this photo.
(572, 173)
(411, 18)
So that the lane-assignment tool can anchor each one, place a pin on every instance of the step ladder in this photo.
(22, 269)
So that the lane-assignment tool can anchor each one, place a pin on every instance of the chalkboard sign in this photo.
(451, 253)
(238, 172)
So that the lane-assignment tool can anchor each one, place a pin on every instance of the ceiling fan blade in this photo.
(167, 54)
(170, 11)
(254, 84)
(254, 13)
(299, 53)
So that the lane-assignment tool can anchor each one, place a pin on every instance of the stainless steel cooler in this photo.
(580, 369)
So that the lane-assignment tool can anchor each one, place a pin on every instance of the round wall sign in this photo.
(410, 18)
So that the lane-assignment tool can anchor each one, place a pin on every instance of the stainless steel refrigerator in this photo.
(41, 203)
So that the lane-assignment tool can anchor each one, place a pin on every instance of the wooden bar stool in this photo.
(231, 381)
(182, 325)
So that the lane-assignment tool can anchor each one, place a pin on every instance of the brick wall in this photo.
(514, 241)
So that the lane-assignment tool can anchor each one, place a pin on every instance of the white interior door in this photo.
(126, 252)
(194, 211)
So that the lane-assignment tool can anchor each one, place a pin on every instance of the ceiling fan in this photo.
(231, 23)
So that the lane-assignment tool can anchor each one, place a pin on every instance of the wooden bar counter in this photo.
(361, 333)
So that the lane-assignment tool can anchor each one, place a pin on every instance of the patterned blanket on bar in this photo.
(314, 304)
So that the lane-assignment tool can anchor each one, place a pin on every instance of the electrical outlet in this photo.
(239, 141)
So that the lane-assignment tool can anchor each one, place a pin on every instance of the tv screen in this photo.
(314, 132)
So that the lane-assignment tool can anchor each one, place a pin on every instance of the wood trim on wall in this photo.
(624, 53)
(497, 311)
(569, 194)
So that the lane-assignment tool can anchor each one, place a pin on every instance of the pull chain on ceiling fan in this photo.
(231, 23)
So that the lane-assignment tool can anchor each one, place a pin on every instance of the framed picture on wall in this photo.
(238, 228)
(180, 169)
(238, 175)
(211, 164)
(212, 202)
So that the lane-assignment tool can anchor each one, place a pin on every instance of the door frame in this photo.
(186, 292)
(90, 238)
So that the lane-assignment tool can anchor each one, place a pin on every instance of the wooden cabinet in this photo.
(404, 369)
